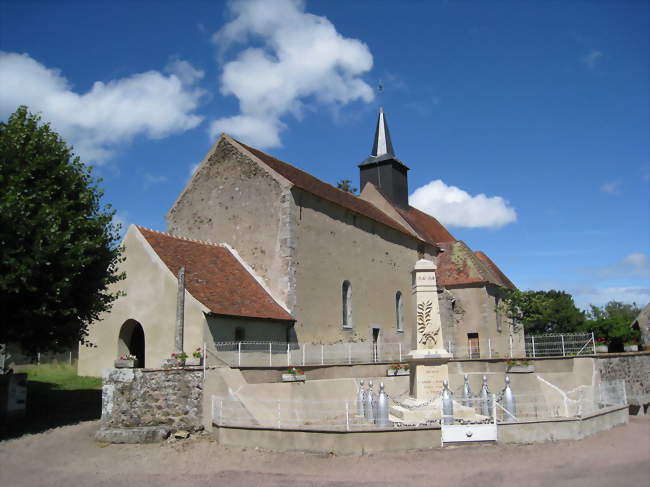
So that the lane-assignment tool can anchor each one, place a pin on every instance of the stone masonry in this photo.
(634, 369)
(140, 406)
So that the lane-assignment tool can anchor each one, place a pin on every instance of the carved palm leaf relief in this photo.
(427, 336)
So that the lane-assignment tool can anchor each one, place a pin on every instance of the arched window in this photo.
(131, 341)
(399, 311)
(346, 300)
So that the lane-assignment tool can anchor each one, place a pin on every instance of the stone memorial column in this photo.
(429, 359)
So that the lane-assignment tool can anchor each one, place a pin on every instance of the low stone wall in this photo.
(634, 369)
(146, 405)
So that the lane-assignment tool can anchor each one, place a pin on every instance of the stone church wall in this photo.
(232, 199)
(333, 244)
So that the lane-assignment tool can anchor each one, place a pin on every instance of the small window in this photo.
(399, 311)
(240, 334)
(473, 348)
(346, 301)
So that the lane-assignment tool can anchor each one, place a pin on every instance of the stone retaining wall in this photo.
(633, 369)
(144, 405)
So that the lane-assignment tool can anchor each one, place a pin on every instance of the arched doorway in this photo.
(131, 341)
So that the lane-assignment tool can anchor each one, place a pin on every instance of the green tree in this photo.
(543, 311)
(613, 323)
(59, 246)
(346, 185)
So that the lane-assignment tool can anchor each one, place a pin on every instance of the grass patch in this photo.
(61, 376)
(56, 396)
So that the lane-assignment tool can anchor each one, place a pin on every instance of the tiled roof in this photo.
(215, 277)
(427, 226)
(311, 184)
(458, 265)
(503, 279)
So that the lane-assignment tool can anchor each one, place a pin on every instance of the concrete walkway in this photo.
(68, 456)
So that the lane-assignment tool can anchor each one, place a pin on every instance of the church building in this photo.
(271, 253)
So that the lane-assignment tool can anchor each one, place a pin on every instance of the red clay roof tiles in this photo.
(215, 277)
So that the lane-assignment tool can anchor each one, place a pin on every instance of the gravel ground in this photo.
(68, 456)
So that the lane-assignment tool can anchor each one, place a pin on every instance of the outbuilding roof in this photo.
(215, 277)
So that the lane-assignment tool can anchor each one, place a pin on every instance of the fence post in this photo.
(532, 339)
(304, 346)
(270, 354)
(239, 354)
(400, 352)
(593, 342)
(490, 347)
(288, 355)
(205, 358)
(347, 416)
(38, 359)
(70, 358)
(510, 337)
(494, 408)
(349, 362)
(562, 337)
(322, 354)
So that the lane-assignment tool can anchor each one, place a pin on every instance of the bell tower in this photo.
(383, 168)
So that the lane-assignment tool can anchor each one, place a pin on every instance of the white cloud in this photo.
(152, 179)
(633, 265)
(592, 58)
(602, 295)
(610, 187)
(455, 207)
(109, 114)
(298, 59)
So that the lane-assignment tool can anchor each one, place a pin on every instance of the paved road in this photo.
(68, 457)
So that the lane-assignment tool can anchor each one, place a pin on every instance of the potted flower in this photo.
(397, 369)
(196, 358)
(601, 345)
(126, 361)
(178, 359)
(519, 367)
(631, 345)
(293, 375)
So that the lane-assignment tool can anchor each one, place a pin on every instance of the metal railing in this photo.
(293, 354)
(343, 415)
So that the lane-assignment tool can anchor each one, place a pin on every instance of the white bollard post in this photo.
(270, 355)
(562, 337)
(239, 354)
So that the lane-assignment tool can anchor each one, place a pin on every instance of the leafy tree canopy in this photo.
(59, 246)
(543, 311)
(613, 323)
(346, 185)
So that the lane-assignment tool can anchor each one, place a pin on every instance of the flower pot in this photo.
(126, 364)
(293, 377)
(602, 348)
(631, 347)
(194, 362)
(393, 372)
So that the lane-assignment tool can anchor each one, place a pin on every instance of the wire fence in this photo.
(347, 414)
(293, 354)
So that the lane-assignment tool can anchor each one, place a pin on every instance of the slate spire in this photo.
(382, 145)
(383, 168)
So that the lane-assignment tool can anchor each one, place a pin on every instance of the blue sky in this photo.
(541, 107)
